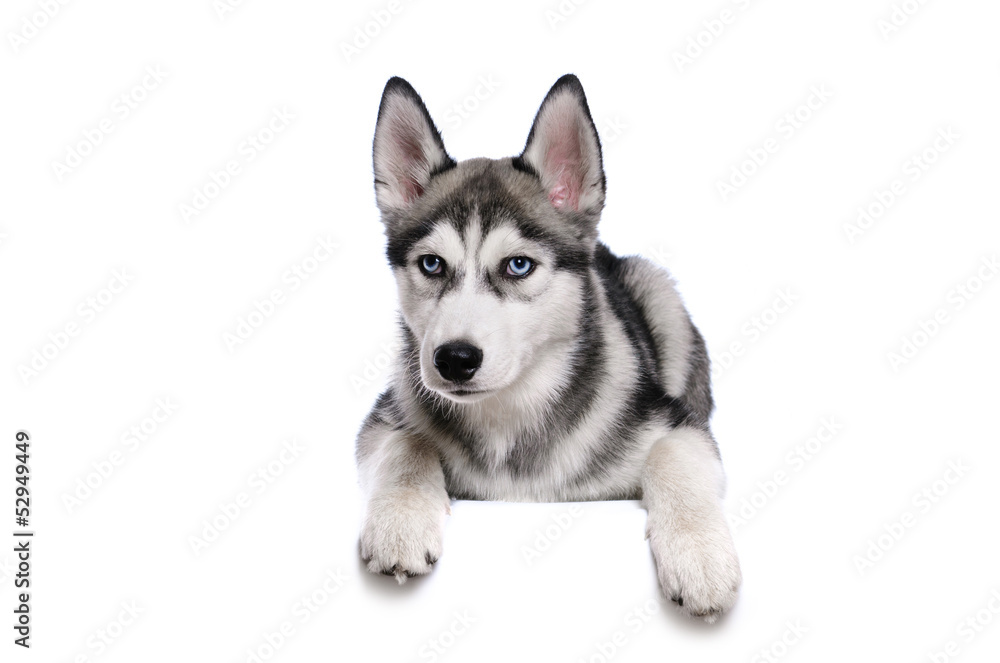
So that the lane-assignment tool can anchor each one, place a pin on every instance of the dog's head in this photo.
(490, 256)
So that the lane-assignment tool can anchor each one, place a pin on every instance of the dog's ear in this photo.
(407, 150)
(564, 151)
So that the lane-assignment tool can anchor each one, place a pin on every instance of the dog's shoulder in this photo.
(679, 348)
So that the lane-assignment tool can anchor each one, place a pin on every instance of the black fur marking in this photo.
(482, 194)
(493, 282)
(519, 163)
(444, 167)
(402, 240)
(648, 402)
(698, 390)
(384, 413)
(450, 281)
(626, 309)
(573, 257)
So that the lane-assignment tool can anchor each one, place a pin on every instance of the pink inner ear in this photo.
(411, 190)
(410, 163)
(568, 185)
(563, 161)
(559, 196)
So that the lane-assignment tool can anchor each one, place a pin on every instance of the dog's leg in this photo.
(682, 489)
(407, 503)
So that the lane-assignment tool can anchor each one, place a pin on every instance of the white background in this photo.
(672, 132)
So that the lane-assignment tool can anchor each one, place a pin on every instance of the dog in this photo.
(535, 365)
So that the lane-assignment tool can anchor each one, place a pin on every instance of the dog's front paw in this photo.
(697, 567)
(402, 532)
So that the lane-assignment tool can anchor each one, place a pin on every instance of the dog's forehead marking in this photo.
(473, 237)
(476, 250)
(445, 240)
(503, 241)
(470, 244)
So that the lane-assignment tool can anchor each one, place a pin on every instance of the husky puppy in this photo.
(535, 364)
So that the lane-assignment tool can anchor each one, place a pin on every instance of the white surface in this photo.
(678, 133)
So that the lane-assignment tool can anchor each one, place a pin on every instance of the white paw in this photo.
(697, 567)
(402, 532)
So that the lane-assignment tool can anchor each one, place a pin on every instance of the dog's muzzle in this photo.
(458, 362)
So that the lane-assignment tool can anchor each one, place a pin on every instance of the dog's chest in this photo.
(536, 468)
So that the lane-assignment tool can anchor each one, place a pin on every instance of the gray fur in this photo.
(594, 382)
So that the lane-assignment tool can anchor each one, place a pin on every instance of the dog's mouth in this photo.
(469, 386)
(465, 395)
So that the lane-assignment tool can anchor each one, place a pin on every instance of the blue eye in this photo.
(431, 264)
(519, 266)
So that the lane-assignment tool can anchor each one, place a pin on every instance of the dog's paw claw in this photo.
(401, 536)
(701, 575)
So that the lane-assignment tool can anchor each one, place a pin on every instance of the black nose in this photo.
(458, 362)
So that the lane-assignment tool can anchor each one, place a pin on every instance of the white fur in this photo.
(406, 505)
(682, 487)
